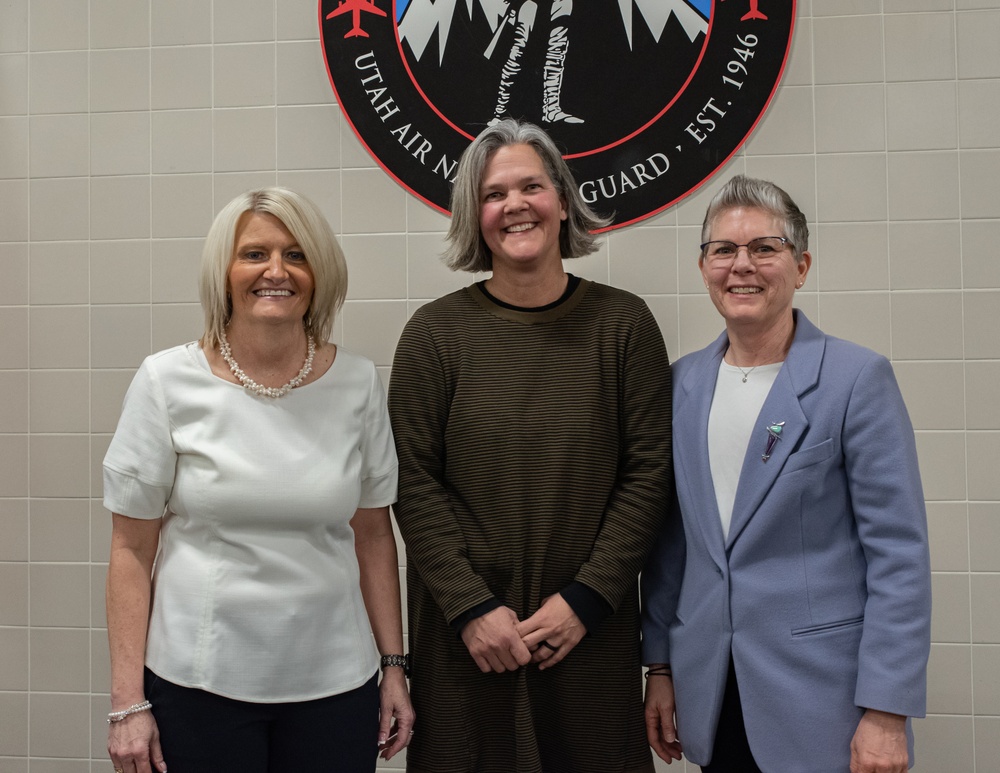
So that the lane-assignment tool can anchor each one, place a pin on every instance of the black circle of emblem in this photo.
(647, 98)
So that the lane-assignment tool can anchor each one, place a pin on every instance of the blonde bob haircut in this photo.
(743, 192)
(467, 250)
(306, 223)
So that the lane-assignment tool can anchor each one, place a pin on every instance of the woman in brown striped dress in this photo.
(532, 420)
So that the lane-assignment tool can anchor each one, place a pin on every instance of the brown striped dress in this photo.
(534, 451)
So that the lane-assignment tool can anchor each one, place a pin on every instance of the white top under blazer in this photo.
(256, 591)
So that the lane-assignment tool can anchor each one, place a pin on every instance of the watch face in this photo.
(649, 98)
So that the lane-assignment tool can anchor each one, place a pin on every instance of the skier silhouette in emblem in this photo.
(522, 16)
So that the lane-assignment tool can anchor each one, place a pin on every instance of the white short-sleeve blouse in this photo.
(256, 591)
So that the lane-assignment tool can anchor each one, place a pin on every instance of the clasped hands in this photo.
(499, 642)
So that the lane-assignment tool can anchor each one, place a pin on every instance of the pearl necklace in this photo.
(259, 389)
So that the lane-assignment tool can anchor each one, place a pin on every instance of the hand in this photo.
(879, 744)
(661, 729)
(394, 705)
(494, 643)
(134, 744)
(552, 632)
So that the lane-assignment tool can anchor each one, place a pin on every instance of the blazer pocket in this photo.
(807, 457)
(837, 625)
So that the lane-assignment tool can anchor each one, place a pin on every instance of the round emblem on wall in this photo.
(647, 98)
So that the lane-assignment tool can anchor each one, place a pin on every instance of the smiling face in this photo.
(269, 278)
(751, 296)
(521, 212)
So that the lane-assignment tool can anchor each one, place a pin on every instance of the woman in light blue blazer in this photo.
(787, 629)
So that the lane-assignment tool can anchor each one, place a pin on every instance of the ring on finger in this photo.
(544, 643)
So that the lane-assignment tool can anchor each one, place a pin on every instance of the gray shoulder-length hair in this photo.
(743, 191)
(467, 250)
(306, 223)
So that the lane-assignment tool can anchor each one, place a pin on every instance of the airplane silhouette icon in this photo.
(753, 13)
(355, 7)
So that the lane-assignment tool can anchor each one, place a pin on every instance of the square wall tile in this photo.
(839, 130)
(372, 328)
(942, 464)
(423, 218)
(978, 264)
(59, 337)
(237, 21)
(119, 335)
(322, 187)
(119, 23)
(981, 404)
(176, 265)
(698, 323)
(14, 204)
(851, 187)
(14, 470)
(181, 77)
(985, 621)
(977, 101)
(982, 325)
(929, 389)
(100, 539)
(861, 62)
(59, 273)
(949, 679)
(14, 724)
(119, 79)
(14, 342)
(60, 530)
(948, 527)
(861, 317)
(923, 186)
(851, 256)
(119, 271)
(14, 266)
(60, 659)
(986, 667)
(921, 116)
(244, 139)
(950, 618)
(182, 205)
(60, 401)
(60, 467)
(59, 145)
(119, 207)
(664, 310)
(14, 76)
(229, 185)
(243, 75)
(644, 259)
(14, 600)
(942, 743)
(100, 661)
(98, 593)
(14, 26)
(107, 392)
(925, 255)
(927, 325)
(308, 137)
(60, 595)
(787, 126)
(176, 323)
(60, 209)
(377, 266)
(987, 746)
(984, 453)
(59, 31)
(302, 78)
(426, 274)
(119, 143)
(977, 33)
(60, 725)
(798, 67)
(14, 406)
(13, 146)
(15, 660)
(297, 20)
(373, 203)
(182, 141)
(13, 530)
(181, 22)
(979, 170)
(919, 47)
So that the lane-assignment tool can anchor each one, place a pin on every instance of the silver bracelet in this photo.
(135, 708)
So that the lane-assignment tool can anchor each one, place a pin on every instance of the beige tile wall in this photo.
(125, 124)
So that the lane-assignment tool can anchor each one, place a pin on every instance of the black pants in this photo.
(731, 752)
(206, 733)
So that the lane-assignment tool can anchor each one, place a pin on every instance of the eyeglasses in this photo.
(764, 249)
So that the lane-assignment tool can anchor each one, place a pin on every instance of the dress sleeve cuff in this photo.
(482, 608)
(587, 603)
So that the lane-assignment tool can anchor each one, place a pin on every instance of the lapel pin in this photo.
(773, 436)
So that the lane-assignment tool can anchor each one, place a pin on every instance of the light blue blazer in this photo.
(822, 590)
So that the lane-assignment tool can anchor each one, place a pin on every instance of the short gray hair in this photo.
(306, 223)
(743, 191)
(467, 250)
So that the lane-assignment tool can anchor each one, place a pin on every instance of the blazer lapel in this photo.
(799, 374)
